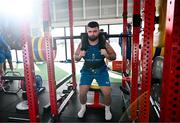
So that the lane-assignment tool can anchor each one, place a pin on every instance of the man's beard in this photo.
(92, 38)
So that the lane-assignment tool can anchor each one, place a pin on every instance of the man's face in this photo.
(92, 33)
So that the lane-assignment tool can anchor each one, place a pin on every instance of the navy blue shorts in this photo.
(2, 57)
(100, 75)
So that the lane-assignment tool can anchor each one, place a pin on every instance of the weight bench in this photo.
(96, 103)
(7, 78)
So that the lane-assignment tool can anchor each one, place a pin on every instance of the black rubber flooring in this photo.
(8, 104)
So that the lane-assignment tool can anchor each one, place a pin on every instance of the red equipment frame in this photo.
(124, 42)
(135, 60)
(29, 73)
(70, 3)
(144, 102)
(49, 55)
(169, 103)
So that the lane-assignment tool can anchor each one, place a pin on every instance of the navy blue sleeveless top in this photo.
(93, 58)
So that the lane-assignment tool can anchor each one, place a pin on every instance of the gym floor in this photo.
(69, 114)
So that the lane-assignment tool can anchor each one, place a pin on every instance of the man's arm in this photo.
(79, 53)
(76, 55)
(110, 51)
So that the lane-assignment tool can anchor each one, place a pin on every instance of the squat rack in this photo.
(170, 107)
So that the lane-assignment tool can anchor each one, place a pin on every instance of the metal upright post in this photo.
(65, 43)
(49, 56)
(170, 96)
(144, 102)
(72, 43)
(124, 41)
(29, 73)
(135, 60)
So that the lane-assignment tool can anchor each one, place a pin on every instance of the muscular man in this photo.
(95, 68)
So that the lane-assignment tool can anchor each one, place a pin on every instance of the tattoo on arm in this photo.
(76, 55)
(111, 52)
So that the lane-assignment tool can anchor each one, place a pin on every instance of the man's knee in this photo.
(9, 60)
(107, 94)
(84, 89)
(106, 91)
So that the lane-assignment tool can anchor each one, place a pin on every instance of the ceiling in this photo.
(104, 11)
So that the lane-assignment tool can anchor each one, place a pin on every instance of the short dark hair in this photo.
(102, 30)
(93, 24)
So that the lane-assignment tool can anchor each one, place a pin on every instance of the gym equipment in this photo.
(125, 89)
(38, 44)
(159, 37)
(64, 95)
(69, 86)
(39, 51)
(15, 119)
(117, 65)
(96, 103)
(103, 36)
(8, 79)
(39, 82)
(158, 51)
(23, 106)
(157, 69)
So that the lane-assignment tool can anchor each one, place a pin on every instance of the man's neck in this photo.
(93, 42)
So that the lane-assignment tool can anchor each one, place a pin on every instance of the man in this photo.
(8, 56)
(128, 46)
(4, 52)
(5, 48)
(2, 56)
(95, 68)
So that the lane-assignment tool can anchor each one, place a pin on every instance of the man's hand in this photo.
(82, 53)
(104, 53)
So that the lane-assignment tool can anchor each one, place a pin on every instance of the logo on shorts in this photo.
(107, 82)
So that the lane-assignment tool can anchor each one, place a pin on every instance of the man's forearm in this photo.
(111, 57)
(77, 58)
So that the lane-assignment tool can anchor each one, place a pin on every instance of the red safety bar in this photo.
(29, 73)
(135, 59)
(124, 42)
(170, 98)
(144, 102)
(72, 43)
(49, 55)
(96, 104)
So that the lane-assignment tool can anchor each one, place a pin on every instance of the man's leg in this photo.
(4, 66)
(9, 58)
(2, 59)
(83, 93)
(83, 99)
(10, 64)
(1, 69)
(106, 90)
